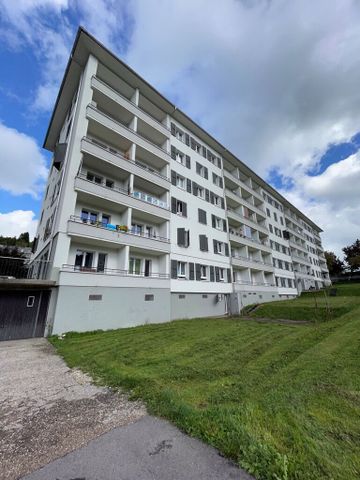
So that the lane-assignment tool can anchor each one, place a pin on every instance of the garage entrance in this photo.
(23, 308)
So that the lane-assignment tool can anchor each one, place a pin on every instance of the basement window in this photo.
(182, 297)
(30, 301)
(149, 298)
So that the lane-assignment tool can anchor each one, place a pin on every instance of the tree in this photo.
(352, 256)
(334, 264)
(23, 240)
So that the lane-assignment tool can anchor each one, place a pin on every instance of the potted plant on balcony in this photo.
(122, 228)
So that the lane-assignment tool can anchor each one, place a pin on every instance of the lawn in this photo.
(281, 400)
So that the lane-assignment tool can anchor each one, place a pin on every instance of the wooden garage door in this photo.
(23, 313)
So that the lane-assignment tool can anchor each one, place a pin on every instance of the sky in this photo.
(275, 81)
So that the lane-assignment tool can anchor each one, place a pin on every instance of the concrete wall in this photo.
(239, 300)
(195, 305)
(118, 308)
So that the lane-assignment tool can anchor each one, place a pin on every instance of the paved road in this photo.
(150, 449)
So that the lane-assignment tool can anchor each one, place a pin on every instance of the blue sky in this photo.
(286, 100)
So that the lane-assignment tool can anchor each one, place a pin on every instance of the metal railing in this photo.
(248, 259)
(126, 127)
(112, 271)
(263, 284)
(241, 235)
(22, 268)
(111, 150)
(145, 197)
(123, 229)
(256, 224)
(244, 201)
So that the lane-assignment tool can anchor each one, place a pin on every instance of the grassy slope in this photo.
(276, 398)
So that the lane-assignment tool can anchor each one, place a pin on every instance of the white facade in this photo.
(141, 200)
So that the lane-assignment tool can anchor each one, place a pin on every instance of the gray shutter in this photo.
(198, 167)
(203, 243)
(202, 216)
(198, 271)
(173, 204)
(207, 195)
(184, 209)
(188, 185)
(206, 174)
(222, 204)
(187, 139)
(206, 244)
(187, 238)
(173, 269)
(195, 189)
(224, 226)
(191, 271)
(213, 221)
(192, 143)
(203, 151)
(212, 276)
(215, 246)
(219, 162)
(212, 198)
(214, 177)
(173, 177)
(221, 184)
(173, 130)
(187, 161)
(181, 237)
(217, 275)
(226, 249)
(228, 275)
(173, 152)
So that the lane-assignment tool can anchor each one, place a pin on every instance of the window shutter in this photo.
(229, 275)
(203, 243)
(192, 143)
(191, 271)
(173, 269)
(198, 271)
(221, 184)
(208, 154)
(212, 276)
(195, 189)
(213, 221)
(206, 245)
(173, 177)
(187, 237)
(188, 185)
(181, 237)
(222, 204)
(203, 151)
(173, 204)
(215, 246)
(202, 216)
(214, 177)
(173, 152)
(187, 139)
(187, 161)
(219, 162)
(224, 226)
(226, 249)
(173, 130)
(207, 195)
(217, 275)
(212, 198)
(198, 167)
(206, 174)
(184, 209)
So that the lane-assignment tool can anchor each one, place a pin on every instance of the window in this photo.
(109, 183)
(136, 229)
(201, 170)
(217, 201)
(218, 223)
(30, 301)
(180, 135)
(134, 266)
(87, 216)
(105, 219)
(180, 208)
(283, 284)
(271, 228)
(203, 272)
(275, 217)
(101, 262)
(247, 231)
(280, 264)
(203, 243)
(92, 177)
(180, 182)
(83, 260)
(221, 275)
(149, 298)
(183, 237)
(181, 269)
(202, 216)
(281, 220)
(268, 212)
(200, 192)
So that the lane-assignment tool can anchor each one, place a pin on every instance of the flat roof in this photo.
(85, 44)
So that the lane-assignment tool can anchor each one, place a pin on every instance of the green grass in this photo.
(281, 400)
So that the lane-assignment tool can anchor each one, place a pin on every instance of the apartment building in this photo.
(148, 218)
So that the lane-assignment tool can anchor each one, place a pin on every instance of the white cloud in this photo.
(22, 164)
(16, 222)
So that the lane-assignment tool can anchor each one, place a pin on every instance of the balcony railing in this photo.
(144, 197)
(118, 228)
(245, 218)
(248, 259)
(111, 150)
(263, 284)
(244, 201)
(130, 101)
(112, 271)
(126, 127)
(245, 185)
(241, 235)
(21, 267)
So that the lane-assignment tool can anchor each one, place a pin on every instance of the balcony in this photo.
(110, 155)
(248, 286)
(242, 201)
(235, 181)
(295, 232)
(241, 239)
(247, 262)
(82, 228)
(297, 246)
(112, 126)
(124, 102)
(232, 214)
(298, 259)
(138, 200)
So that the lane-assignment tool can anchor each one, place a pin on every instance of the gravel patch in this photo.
(48, 410)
